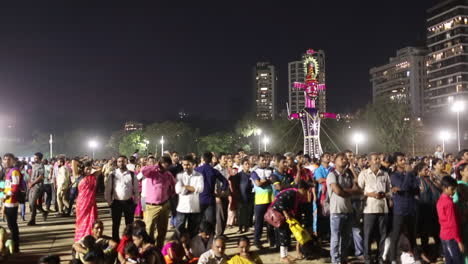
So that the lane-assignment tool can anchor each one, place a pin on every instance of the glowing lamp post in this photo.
(93, 145)
(458, 107)
(266, 140)
(146, 145)
(444, 136)
(358, 138)
(162, 145)
(258, 132)
(51, 141)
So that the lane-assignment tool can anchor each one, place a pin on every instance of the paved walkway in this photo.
(56, 237)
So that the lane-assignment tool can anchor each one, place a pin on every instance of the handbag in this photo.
(301, 235)
(273, 217)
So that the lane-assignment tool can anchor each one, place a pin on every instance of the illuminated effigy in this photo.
(310, 116)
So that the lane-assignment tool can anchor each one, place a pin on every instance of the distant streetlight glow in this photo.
(93, 144)
(358, 138)
(162, 145)
(458, 107)
(266, 140)
(258, 132)
(444, 136)
(146, 145)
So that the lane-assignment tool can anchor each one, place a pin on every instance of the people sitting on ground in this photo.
(216, 254)
(127, 238)
(177, 250)
(203, 242)
(49, 259)
(132, 256)
(105, 243)
(245, 256)
(86, 250)
(148, 251)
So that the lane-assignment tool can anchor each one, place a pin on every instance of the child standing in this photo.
(449, 228)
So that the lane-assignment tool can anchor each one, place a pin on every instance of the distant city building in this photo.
(447, 61)
(133, 126)
(402, 78)
(296, 74)
(183, 115)
(265, 83)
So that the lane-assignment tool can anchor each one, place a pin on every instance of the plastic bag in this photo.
(301, 235)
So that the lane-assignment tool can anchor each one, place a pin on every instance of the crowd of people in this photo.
(342, 201)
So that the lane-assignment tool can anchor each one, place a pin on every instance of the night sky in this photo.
(70, 63)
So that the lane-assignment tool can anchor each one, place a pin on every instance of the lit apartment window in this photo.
(264, 89)
(264, 75)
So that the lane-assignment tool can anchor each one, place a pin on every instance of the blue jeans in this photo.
(260, 210)
(340, 227)
(314, 215)
(452, 252)
(357, 229)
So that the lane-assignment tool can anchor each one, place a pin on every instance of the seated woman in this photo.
(177, 250)
(148, 252)
(132, 256)
(127, 238)
(88, 251)
(245, 256)
(105, 243)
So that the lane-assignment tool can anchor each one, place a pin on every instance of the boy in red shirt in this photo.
(449, 229)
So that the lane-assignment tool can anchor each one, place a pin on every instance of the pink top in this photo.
(159, 186)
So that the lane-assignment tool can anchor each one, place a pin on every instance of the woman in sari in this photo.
(245, 256)
(86, 208)
(461, 201)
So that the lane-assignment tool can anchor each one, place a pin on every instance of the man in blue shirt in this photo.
(207, 197)
(321, 222)
(280, 178)
(405, 188)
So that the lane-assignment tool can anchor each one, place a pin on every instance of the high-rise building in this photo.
(447, 61)
(402, 78)
(296, 73)
(131, 126)
(265, 82)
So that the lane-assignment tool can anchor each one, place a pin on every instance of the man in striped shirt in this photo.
(13, 182)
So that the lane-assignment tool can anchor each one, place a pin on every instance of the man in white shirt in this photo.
(216, 254)
(121, 193)
(63, 183)
(222, 200)
(189, 186)
(376, 185)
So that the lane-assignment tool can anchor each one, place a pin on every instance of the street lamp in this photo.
(146, 145)
(444, 136)
(258, 132)
(458, 107)
(93, 145)
(162, 145)
(358, 138)
(51, 141)
(266, 140)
